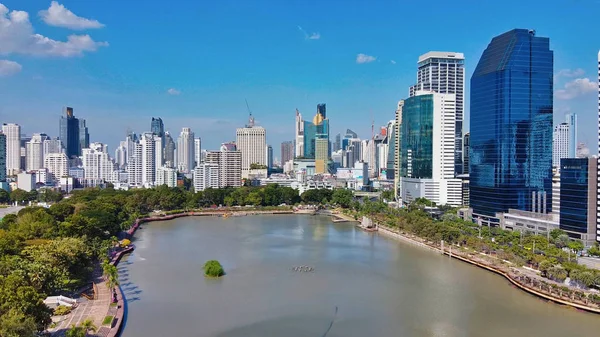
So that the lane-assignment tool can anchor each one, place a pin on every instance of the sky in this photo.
(194, 63)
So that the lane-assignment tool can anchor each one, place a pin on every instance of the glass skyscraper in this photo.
(317, 128)
(577, 199)
(511, 125)
(69, 133)
(417, 137)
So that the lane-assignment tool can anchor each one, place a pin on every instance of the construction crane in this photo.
(250, 118)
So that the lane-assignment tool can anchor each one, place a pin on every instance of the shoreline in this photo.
(517, 279)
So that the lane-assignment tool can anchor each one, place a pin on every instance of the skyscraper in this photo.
(157, 127)
(598, 170)
(322, 109)
(299, 151)
(84, 136)
(206, 175)
(269, 157)
(197, 151)
(185, 151)
(466, 145)
(2, 158)
(151, 146)
(560, 143)
(571, 120)
(338, 142)
(251, 141)
(13, 148)
(511, 126)
(317, 128)
(35, 152)
(169, 154)
(52, 146)
(97, 165)
(134, 163)
(229, 163)
(444, 73)
(287, 152)
(69, 133)
(121, 154)
(427, 149)
(57, 165)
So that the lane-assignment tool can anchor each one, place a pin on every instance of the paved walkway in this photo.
(96, 310)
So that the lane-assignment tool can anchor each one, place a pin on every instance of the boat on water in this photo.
(367, 225)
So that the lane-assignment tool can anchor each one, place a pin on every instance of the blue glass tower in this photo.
(69, 133)
(317, 128)
(511, 125)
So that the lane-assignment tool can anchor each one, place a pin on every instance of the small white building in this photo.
(206, 175)
(166, 176)
(26, 181)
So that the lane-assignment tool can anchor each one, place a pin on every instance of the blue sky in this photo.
(216, 54)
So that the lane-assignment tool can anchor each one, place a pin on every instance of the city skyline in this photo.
(108, 85)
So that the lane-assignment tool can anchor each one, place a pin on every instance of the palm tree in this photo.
(88, 325)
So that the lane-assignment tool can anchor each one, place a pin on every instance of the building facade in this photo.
(206, 175)
(69, 133)
(466, 144)
(444, 73)
(97, 165)
(185, 151)
(197, 151)
(166, 176)
(317, 128)
(578, 183)
(169, 152)
(57, 165)
(35, 152)
(299, 141)
(511, 126)
(2, 158)
(12, 132)
(269, 157)
(598, 170)
(564, 140)
(287, 152)
(427, 149)
(251, 141)
(229, 164)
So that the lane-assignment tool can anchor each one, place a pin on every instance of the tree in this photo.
(342, 197)
(388, 195)
(575, 246)
(18, 195)
(16, 324)
(213, 268)
(4, 196)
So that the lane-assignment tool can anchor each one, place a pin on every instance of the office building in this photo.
(206, 175)
(97, 165)
(73, 133)
(57, 165)
(185, 151)
(444, 73)
(269, 157)
(565, 140)
(2, 159)
(427, 149)
(121, 155)
(466, 142)
(197, 151)
(157, 127)
(251, 141)
(230, 166)
(299, 150)
(52, 146)
(84, 136)
(578, 183)
(12, 132)
(287, 152)
(35, 152)
(166, 176)
(598, 170)
(317, 128)
(169, 153)
(321, 155)
(338, 142)
(511, 126)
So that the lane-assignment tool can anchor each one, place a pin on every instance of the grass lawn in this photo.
(107, 320)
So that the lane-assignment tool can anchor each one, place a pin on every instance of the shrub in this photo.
(62, 310)
(213, 268)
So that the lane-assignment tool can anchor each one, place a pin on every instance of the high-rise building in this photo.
(166, 176)
(269, 157)
(466, 142)
(287, 152)
(157, 127)
(151, 157)
(427, 149)
(230, 166)
(169, 154)
(13, 148)
(322, 109)
(134, 163)
(197, 151)
(598, 170)
(206, 175)
(52, 146)
(57, 165)
(35, 152)
(511, 126)
(185, 151)
(571, 120)
(398, 149)
(299, 151)
(69, 133)
(321, 155)
(97, 165)
(560, 143)
(317, 128)
(251, 141)
(84, 136)
(578, 184)
(444, 73)
(338, 142)
(121, 154)
(2, 158)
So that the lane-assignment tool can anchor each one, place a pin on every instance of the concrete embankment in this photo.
(511, 278)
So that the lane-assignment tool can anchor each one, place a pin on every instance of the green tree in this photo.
(19, 196)
(4, 196)
(15, 324)
(213, 268)
(342, 197)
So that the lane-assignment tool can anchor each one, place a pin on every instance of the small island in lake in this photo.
(212, 268)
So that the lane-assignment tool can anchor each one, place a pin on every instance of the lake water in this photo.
(364, 284)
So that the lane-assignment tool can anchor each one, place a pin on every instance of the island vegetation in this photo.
(212, 268)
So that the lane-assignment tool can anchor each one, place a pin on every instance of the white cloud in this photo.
(59, 16)
(570, 73)
(393, 62)
(173, 92)
(576, 88)
(363, 58)
(17, 37)
(312, 36)
(9, 68)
